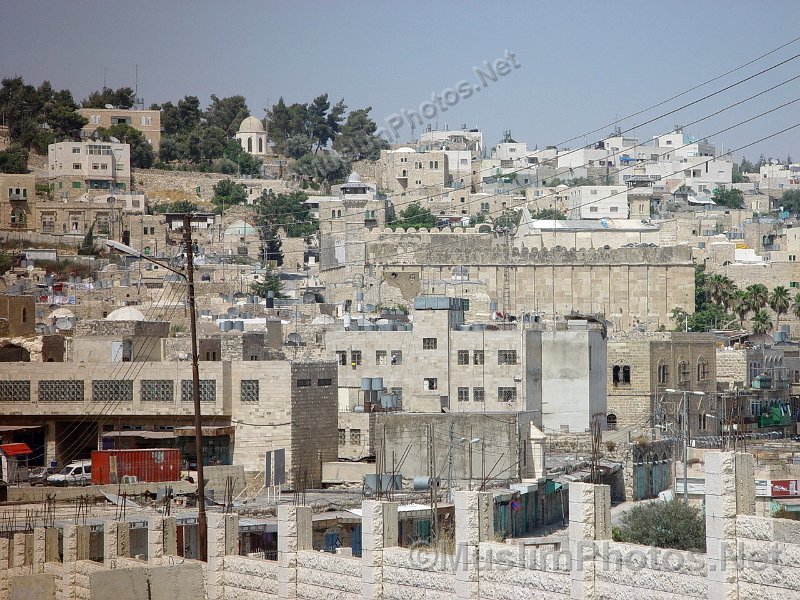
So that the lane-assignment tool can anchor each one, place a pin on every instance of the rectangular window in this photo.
(613, 209)
(465, 304)
(355, 437)
(61, 390)
(463, 394)
(157, 390)
(341, 437)
(663, 374)
(477, 357)
(208, 390)
(430, 384)
(506, 357)
(341, 357)
(326, 382)
(429, 343)
(248, 391)
(112, 390)
(506, 394)
(15, 391)
(76, 185)
(76, 166)
(592, 209)
(381, 358)
(303, 382)
(478, 394)
(463, 357)
(397, 357)
(797, 377)
(76, 150)
(355, 357)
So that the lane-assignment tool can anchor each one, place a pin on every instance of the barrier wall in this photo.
(746, 557)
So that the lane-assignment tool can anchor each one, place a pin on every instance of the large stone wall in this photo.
(628, 285)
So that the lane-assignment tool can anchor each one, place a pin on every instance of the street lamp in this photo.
(685, 435)
(188, 276)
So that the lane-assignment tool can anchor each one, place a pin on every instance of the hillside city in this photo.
(252, 353)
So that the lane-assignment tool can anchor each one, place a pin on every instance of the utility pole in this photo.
(450, 464)
(198, 417)
(685, 446)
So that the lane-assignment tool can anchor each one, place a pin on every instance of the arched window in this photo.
(621, 374)
(684, 371)
(702, 369)
(24, 315)
(260, 145)
(405, 174)
(611, 421)
(663, 373)
(338, 213)
(18, 217)
(250, 145)
(333, 214)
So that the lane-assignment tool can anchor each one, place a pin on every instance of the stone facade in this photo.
(146, 121)
(627, 285)
(641, 369)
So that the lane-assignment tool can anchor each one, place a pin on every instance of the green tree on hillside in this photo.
(287, 211)
(228, 193)
(119, 98)
(357, 139)
(88, 247)
(14, 160)
(729, 198)
(227, 113)
(142, 155)
(415, 216)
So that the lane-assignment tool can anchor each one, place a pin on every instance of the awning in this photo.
(208, 431)
(18, 427)
(149, 435)
(15, 449)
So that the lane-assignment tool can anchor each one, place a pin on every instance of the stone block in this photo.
(118, 584)
(176, 582)
(76, 542)
(32, 587)
(22, 550)
(721, 506)
(116, 541)
(722, 463)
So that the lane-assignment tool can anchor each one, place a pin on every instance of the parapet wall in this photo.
(746, 557)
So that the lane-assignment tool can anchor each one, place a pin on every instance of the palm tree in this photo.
(720, 289)
(779, 302)
(761, 322)
(757, 296)
(796, 305)
(740, 306)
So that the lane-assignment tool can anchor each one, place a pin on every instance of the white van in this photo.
(75, 473)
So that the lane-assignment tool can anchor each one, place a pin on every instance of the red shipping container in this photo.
(153, 465)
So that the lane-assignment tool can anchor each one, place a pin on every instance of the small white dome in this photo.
(251, 125)
(240, 228)
(126, 313)
(404, 149)
(354, 178)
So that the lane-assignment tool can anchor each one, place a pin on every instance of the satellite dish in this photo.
(109, 106)
(113, 139)
(233, 312)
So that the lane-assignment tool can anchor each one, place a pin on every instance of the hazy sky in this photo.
(582, 65)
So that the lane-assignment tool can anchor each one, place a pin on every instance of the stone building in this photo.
(118, 387)
(252, 136)
(17, 316)
(641, 369)
(406, 172)
(437, 362)
(627, 285)
(146, 121)
(17, 197)
(75, 168)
